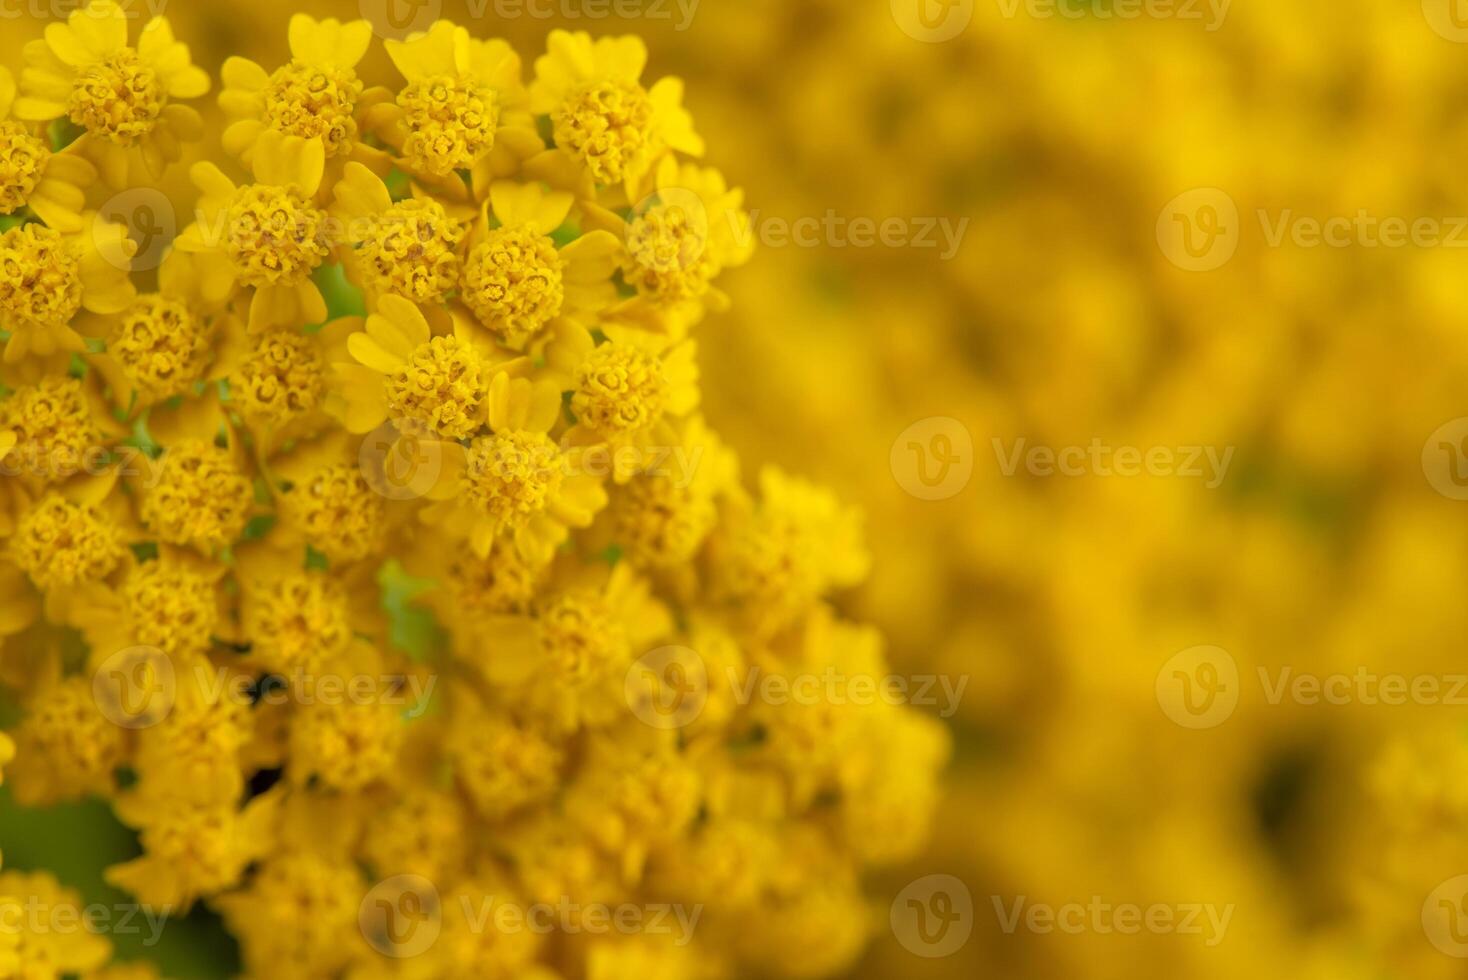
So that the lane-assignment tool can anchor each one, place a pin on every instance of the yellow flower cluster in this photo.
(373, 558)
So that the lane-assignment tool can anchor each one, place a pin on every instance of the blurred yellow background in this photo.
(1234, 229)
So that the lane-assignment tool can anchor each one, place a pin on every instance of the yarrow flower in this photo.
(123, 98)
(379, 534)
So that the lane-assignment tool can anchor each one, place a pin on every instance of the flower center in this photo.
(59, 543)
(298, 621)
(413, 252)
(283, 378)
(498, 583)
(314, 103)
(170, 607)
(580, 637)
(119, 98)
(668, 254)
(275, 236)
(662, 523)
(606, 123)
(160, 345)
(23, 159)
(512, 282)
(53, 427)
(337, 511)
(451, 122)
(511, 475)
(619, 389)
(201, 497)
(441, 386)
(40, 284)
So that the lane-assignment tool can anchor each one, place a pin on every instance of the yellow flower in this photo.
(660, 519)
(460, 91)
(776, 558)
(276, 378)
(268, 236)
(517, 281)
(317, 95)
(159, 346)
(503, 764)
(172, 603)
(191, 851)
(51, 184)
(599, 111)
(691, 228)
(65, 747)
(407, 372)
(566, 664)
(123, 97)
(325, 502)
(515, 482)
(31, 906)
(47, 277)
(407, 248)
(625, 394)
(297, 917)
(197, 495)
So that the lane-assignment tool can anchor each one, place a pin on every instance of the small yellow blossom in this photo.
(124, 98)
(600, 112)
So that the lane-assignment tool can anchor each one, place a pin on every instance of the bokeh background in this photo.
(1071, 139)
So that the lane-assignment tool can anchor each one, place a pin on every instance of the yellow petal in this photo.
(529, 204)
